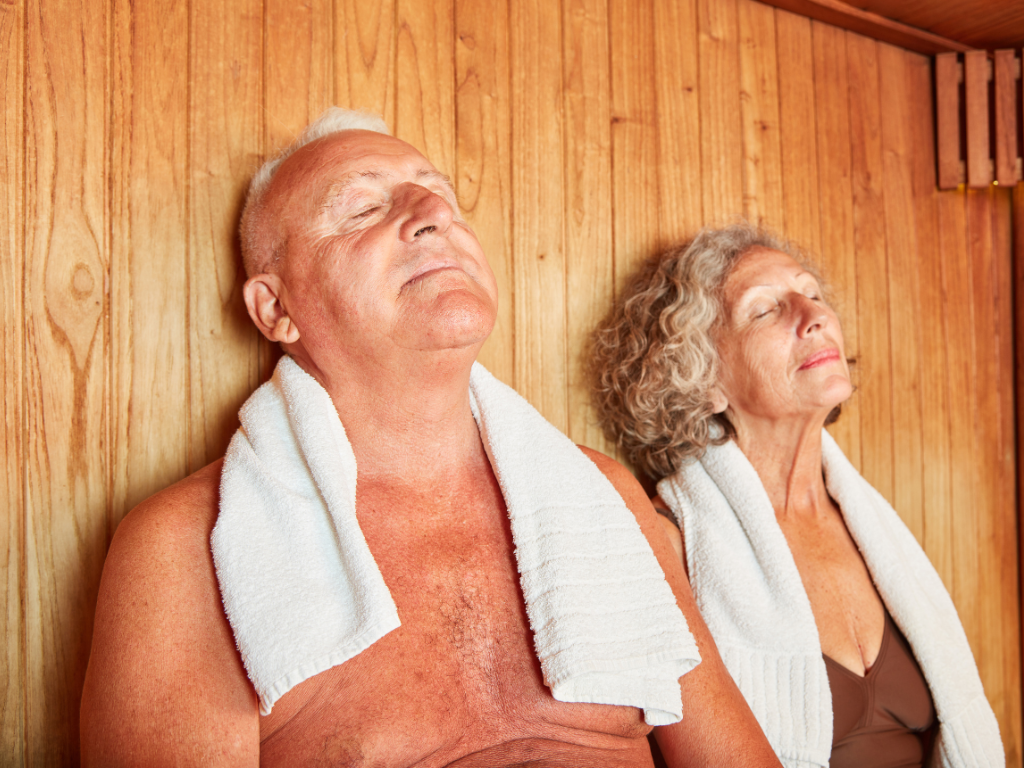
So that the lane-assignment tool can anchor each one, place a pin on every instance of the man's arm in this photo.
(165, 685)
(718, 728)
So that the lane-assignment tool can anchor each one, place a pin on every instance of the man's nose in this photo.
(425, 213)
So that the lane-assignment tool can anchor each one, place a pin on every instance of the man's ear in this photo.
(719, 402)
(263, 300)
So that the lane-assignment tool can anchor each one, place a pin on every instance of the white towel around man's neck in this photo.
(303, 593)
(750, 593)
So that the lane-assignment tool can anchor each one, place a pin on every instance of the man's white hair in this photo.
(258, 253)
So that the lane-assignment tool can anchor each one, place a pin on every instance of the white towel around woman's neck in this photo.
(303, 593)
(749, 592)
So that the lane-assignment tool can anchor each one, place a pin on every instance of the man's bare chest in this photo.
(459, 675)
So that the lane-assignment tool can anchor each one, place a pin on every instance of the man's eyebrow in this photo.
(337, 187)
(434, 175)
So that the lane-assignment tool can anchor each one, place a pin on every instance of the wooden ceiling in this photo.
(987, 24)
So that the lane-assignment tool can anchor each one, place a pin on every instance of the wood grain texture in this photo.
(1018, 291)
(12, 315)
(873, 371)
(65, 364)
(634, 135)
(904, 288)
(364, 56)
(797, 129)
(483, 159)
(763, 199)
(721, 129)
(947, 116)
(538, 195)
(1005, 64)
(677, 77)
(976, 77)
(589, 248)
(225, 143)
(837, 256)
(425, 80)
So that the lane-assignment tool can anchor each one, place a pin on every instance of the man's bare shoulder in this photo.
(165, 682)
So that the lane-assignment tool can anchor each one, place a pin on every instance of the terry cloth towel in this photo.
(750, 594)
(302, 591)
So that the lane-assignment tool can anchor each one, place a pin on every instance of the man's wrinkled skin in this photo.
(382, 293)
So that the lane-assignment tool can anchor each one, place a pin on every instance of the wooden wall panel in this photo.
(225, 135)
(582, 135)
(721, 132)
(797, 129)
(12, 314)
(482, 157)
(538, 189)
(872, 373)
(677, 76)
(589, 249)
(837, 256)
(66, 396)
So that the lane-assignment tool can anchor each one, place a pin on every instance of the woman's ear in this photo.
(719, 402)
(263, 298)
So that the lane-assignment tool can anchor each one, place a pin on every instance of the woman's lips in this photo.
(823, 357)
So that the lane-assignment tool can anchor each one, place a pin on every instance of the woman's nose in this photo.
(425, 212)
(811, 315)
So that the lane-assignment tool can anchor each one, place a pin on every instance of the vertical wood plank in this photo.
(947, 116)
(763, 200)
(225, 142)
(65, 364)
(797, 129)
(425, 80)
(482, 158)
(1018, 292)
(298, 66)
(720, 120)
(873, 369)
(1006, 117)
(976, 76)
(838, 258)
(904, 287)
(677, 77)
(590, 255)
(938, 521)
(365, 55)
(634, 135)
(535, 42)
(12, 284)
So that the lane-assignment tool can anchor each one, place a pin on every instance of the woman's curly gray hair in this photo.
(653, 360)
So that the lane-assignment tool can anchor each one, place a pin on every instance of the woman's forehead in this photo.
(762, 266)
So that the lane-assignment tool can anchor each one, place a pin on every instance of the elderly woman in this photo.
(717, 372)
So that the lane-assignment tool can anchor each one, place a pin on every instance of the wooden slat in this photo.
(1018, 292)
(904, 286)
(298, 66)
(720, 121)
(364, 56)
(798, 130)
(677, 77)
(1006, 599)
(535, 42)
(1006, 117)
(838, 258)
(976, 77)
(65, 364)
(12, 311)
(936, 450)
(873, 370)
(847, 16)
(225, 138)
(634, 135)
(482, 158)
(425, 80)
(763, 201)
(590, 254)
(947, 116)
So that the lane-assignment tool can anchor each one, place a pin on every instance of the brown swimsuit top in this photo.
(884, 719)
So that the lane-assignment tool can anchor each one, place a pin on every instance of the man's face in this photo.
(376, 253)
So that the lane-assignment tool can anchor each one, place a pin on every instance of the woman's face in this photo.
(780, 344)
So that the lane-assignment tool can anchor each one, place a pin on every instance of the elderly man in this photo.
(432, 619)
